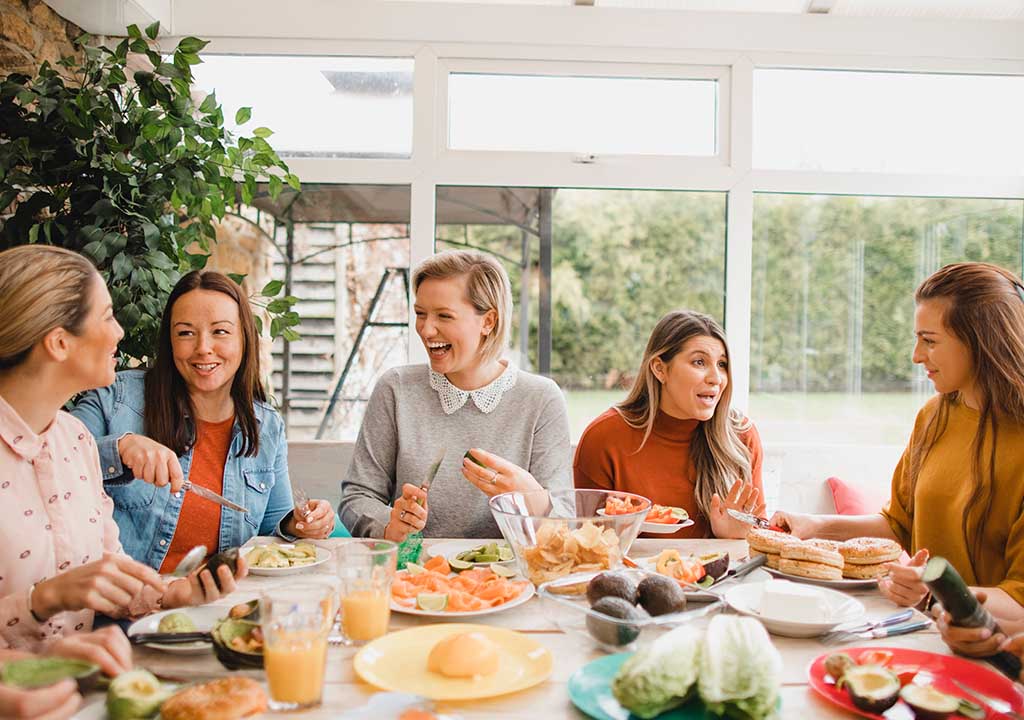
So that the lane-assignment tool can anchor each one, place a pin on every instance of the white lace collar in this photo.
(485, 398)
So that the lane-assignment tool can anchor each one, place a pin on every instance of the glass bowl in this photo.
(565, 602)
(556, 533)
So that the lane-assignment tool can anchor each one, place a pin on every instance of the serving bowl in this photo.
(556, 533)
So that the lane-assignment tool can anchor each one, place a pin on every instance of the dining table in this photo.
(344, 690)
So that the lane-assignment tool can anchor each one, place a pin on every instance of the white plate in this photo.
(844, 584)
(450, 548)
(746, 599)
(322, 556)
(525, 595)
(204, 616)
(657, 528)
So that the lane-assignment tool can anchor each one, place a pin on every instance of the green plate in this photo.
(590, 689)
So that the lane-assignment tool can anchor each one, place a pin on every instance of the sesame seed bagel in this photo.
(870, 551)
(806, 552)
(865, 572)
(768, 541)
(772, 558)
(832, 545)
(813, 570)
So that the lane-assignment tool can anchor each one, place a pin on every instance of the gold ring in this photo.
(494, 477)
(401, 515)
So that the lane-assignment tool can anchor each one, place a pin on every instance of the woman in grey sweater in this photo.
(467, 398)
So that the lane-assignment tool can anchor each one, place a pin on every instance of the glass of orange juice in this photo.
(296, 621)
(366, 569)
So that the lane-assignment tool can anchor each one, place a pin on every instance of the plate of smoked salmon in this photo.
(435, 590)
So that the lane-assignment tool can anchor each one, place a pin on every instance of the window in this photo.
(317, 106)
(888, 122)
(587, 115)
(620, 259)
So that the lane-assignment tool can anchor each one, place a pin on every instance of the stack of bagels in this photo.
(863, 558)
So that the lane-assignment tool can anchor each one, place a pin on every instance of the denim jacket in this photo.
(147, 515)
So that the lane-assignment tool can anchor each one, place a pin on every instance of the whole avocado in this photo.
(610, 584)
(609, 632)
(660, 595)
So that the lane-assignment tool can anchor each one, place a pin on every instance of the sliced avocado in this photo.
(459, 565)
(473, 459)
(37, 672)
(487, 558)
(928, 703)
(971, 710)
(872, 688)
(135, 695)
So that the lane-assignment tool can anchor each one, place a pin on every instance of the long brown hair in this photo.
(41, 288)
(720, 458)
(168, 404)
(986, 312)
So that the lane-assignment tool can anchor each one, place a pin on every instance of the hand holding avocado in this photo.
(211, 582)
(107, 586)
(108, 648)
(494, 475)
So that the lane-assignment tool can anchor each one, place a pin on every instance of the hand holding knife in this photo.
(754, 520)
(212, 496)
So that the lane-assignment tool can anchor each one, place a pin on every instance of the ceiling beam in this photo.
(111, 17)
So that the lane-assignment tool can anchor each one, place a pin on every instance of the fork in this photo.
(1000, 706)
(841, 634)
(301, 500)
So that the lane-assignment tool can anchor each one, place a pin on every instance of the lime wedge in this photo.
(432, 602)
(459, 565)
(503, 571)
(505, 553)
(415, 569)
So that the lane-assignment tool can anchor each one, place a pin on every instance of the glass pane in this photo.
(889, 122)
(348, 241)
(832, 328)
(317, 106)
(598, 115)
(620, 260)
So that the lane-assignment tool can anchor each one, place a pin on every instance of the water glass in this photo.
(366, 569)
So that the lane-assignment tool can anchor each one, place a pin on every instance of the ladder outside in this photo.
(368, 322)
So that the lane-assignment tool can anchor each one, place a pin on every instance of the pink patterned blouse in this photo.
(54, 515)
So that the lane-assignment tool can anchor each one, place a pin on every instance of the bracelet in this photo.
(32, 589)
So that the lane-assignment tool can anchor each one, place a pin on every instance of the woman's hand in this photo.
(53, 702)
(408, 515)
(498, 475)
(976, 642)
(106, 586)
(315, 520)
(200, 588)
(1014, 645)
(743, 497)
(903, 584)
(109, 648)
(151, 461)
(799, 525)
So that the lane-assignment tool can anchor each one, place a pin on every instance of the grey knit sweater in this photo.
(405, 427)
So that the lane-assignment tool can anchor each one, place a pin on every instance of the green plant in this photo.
(131, 173)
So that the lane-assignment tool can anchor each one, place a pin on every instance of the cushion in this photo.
(850, 500)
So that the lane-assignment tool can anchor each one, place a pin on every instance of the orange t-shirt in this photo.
(607, 458)
(199, 520)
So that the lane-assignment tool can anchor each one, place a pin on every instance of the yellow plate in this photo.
(398, 661)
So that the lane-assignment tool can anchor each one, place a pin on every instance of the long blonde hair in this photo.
(487, 288)
(986, 313)
(720, 458)
(41, 288)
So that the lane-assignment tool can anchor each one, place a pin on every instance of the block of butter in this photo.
(785, 600)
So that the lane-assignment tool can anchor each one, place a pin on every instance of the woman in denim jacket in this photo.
(200, 413)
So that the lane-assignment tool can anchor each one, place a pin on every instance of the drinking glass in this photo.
(366, 569)
(296, 621)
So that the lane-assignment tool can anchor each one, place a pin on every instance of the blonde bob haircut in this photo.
(487, 288)
(41, 288)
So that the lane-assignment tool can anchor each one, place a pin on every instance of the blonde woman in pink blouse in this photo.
(60, 557)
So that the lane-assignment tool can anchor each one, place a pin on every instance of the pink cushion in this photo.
(850, 500)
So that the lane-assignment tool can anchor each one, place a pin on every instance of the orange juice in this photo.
(295, 667)
(365, 614)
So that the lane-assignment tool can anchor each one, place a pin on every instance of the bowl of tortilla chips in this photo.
(555, 533)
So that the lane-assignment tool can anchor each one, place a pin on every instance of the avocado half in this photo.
(872, 688)
(928, 703)
(37, 672)
(716, 564)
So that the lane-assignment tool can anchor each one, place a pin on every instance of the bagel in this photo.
(768, 541)
(870, 551)
(865, 572)
(224, 699)
(806, 552)
(832, 545)
(813, 570)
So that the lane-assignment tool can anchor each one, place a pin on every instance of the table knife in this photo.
(212, 496)
(754, 520)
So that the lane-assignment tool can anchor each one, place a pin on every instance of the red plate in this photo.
(942, 667)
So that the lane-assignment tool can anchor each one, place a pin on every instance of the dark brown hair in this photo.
(168, 404)
(986, 312)
(719, 456)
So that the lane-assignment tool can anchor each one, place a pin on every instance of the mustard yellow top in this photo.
(943, 490)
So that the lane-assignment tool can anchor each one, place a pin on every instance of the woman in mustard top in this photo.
(959, 487)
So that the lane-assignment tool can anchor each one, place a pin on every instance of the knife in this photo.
(164, 638)
(745, 568)
(432, 472)
(751, 519)
(884, 632)
(212, 496)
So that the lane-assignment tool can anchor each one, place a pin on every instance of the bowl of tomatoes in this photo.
(660, 519)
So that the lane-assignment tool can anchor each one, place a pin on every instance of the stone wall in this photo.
(30, 32)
